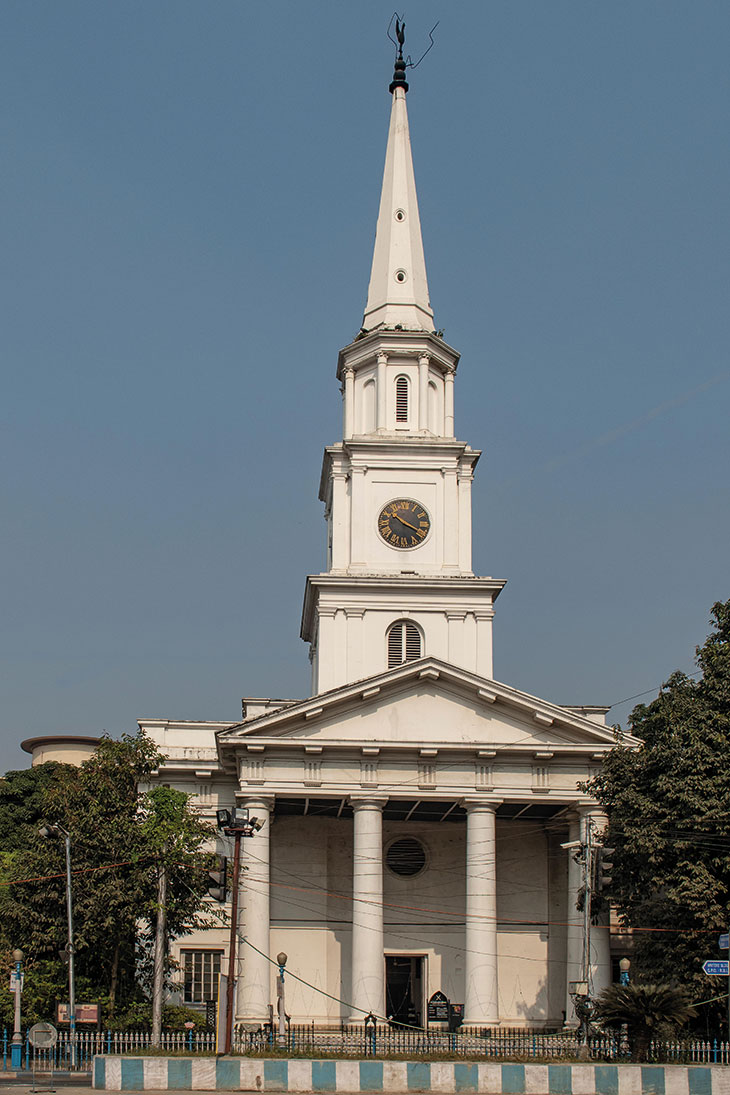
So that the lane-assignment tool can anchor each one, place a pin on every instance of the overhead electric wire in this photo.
(657, 689)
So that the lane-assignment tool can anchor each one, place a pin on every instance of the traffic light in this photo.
(603, 867)
(218, 878)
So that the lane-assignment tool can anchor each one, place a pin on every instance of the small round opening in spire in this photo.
(401, 276)
(400, 215)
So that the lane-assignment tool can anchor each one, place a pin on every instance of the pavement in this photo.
(64, 1087)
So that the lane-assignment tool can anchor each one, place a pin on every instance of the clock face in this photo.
(404, 523)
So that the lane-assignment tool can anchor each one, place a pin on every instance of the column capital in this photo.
(258, 802)
(597, 816)
(382, 358)
(348, 372)
(472, 805)
(368, 802)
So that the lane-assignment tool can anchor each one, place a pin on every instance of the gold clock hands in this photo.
(406, 523)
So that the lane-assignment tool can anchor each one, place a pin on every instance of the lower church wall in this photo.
(396, 1077)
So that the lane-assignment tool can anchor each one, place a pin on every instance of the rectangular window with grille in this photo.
(201, 970)
(401, 399)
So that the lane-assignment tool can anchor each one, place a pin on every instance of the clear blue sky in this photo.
(189, 198)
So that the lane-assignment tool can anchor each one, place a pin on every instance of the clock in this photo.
(404, 523)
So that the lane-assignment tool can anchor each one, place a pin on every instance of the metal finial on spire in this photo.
(399, 73)
(401, 63)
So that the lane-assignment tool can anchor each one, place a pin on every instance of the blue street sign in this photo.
(724, 942)
(716, 969)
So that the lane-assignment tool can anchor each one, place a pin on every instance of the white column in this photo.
(381, 391)
(456, 638)
(484, 665)
(253, 969)
(368, 963)
(449, 404)
(326, 663)
(600, 973)
(423, 392)
(451, 519)
(481, 1000)
(338, 650)
(465, 478)
(354, 643)
(349, 408)
(358, 508)
(574, 942)
(340, 521)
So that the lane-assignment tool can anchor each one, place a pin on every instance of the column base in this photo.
(480, 1022)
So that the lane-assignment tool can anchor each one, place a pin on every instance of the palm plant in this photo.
(645, 1010)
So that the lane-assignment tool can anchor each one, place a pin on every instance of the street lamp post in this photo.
(53, 828)
(280, 1001)
(16, 1051)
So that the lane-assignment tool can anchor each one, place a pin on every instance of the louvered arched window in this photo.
(404, 643)
(401, 399)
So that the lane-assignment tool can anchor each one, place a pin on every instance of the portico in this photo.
(490, 906)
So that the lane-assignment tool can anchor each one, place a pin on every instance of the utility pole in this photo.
(587, 902)
(58, 830)
(160, 951)
(232, 940)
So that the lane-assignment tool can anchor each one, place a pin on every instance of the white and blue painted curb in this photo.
(257, 1074)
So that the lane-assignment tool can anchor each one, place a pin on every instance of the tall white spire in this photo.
(398, 292)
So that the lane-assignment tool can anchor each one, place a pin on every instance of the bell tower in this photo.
(397, 488)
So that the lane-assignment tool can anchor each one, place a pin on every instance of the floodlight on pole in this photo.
(236, 823)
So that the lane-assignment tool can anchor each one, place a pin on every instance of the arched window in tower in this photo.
(401, 399)
(404, 643)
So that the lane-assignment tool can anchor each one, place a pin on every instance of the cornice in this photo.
(451, 679)
(366, 585)
(364, 350)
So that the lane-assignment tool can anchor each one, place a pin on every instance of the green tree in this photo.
(647, 1011)
(669, 821)
(119, 835)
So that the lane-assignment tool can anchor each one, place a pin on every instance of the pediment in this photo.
(428, 702)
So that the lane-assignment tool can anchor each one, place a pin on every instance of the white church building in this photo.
(414, 807)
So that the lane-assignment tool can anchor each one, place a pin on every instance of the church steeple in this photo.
(398, 292)
(398, 583)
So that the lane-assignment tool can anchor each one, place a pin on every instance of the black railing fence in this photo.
(479, 1043)
(485, 1043)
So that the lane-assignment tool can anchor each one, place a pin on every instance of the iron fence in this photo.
(485, 1043)
(90, 1043)
(482, 1043)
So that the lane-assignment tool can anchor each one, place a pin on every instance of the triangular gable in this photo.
(428, 701)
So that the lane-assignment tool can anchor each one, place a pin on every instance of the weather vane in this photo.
(401, 37)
